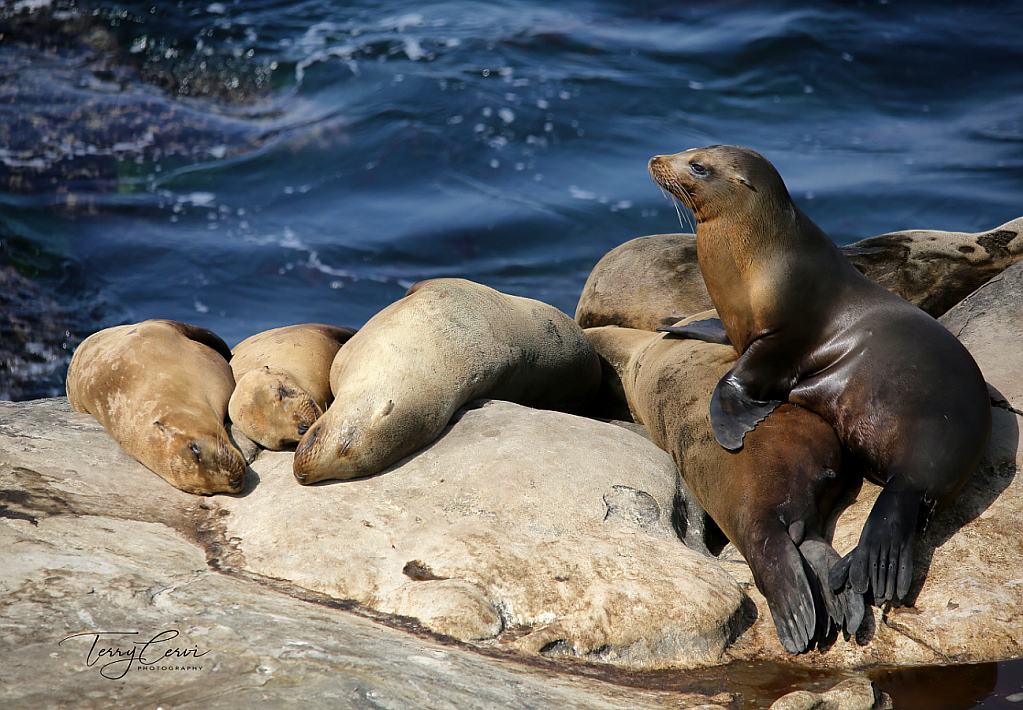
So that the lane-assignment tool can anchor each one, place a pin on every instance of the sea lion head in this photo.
(325, 450)
(197, 461)
(270, 407)
(355, 439)
(719, 179)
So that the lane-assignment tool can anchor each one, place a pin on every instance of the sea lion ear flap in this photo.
(743, 180)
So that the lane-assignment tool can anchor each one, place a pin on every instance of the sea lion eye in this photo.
(194, 446)
(698, 168)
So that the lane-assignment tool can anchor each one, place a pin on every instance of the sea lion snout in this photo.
(232, 463)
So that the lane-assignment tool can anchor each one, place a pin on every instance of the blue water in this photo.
(382, 143)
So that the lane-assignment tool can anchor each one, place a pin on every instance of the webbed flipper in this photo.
(883, 558)
(709, 330)
(844, 606)
(733, 412)
(780, 575)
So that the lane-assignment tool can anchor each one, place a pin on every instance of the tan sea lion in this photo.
(282, 381)
(901, 392)
(397, 382)
(160, 388)
(772, 498)
(645, 283)
(653, 281)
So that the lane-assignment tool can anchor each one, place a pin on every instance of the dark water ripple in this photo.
(243, 165)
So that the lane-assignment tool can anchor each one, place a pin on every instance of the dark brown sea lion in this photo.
(282, 381)
(772, 498)
(397, 382)
(161, 388)
(901, 392)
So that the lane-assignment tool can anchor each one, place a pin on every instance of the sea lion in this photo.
(160, 388)
(282, 381)
(935, 270)
(398, 380)
(645, 283)
(900, 391)
(653, 281)
(772, 498)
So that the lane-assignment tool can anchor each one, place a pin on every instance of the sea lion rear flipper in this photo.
(780, 576)
(709, 330)
(843, 605)
(883, 558)
(733, 412)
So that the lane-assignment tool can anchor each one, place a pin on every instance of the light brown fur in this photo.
(282, 381)
(161, 390)
(772, 498)
(401, 377)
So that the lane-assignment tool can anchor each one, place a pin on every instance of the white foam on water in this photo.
(198, 199)
(580, 194)
(415, 51)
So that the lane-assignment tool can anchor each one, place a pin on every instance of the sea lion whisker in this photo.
(676, 202)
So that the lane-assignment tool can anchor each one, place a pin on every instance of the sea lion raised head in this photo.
(718, 179)
(901, 392)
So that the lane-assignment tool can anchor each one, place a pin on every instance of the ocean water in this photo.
(247, 164)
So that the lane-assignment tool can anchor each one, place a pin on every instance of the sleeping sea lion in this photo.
(900, 391)
(645, 283)
(772, 498)
(282, 381)
(397, 382)
(160, 388)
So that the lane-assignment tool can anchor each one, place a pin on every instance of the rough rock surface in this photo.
(96, 543)
(479, 537)
(853, 694)
(936, 270)
(990, 323)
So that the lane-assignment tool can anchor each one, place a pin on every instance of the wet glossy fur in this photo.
(901, 392)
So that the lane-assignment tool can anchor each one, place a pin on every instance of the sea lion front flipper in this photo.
(733, 412)
(709, 330)
(780, 576)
